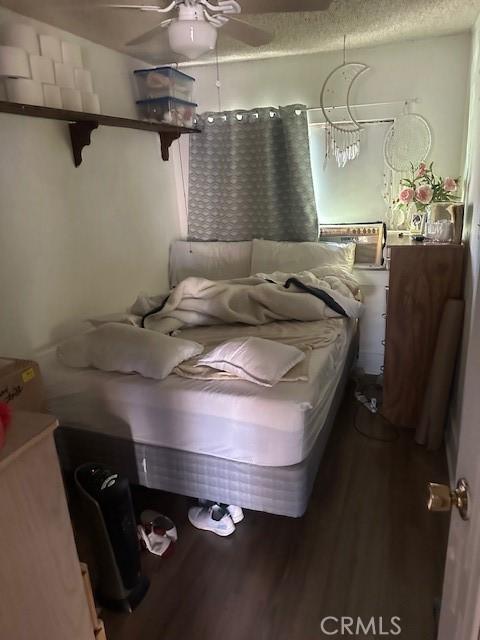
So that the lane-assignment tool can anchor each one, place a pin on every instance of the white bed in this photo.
(231, 441)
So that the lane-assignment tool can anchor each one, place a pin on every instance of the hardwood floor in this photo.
(366, 547)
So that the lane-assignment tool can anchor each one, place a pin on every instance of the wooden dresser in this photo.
(422, 278)
(41, 586)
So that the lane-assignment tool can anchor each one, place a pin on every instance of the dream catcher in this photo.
(342, 137)
(407, 142)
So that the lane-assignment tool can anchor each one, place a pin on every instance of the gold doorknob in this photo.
(442, 498)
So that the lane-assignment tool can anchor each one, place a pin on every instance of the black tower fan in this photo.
(108, 505)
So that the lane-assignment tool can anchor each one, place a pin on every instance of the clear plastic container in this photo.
(162, 82)
(169, 110)
(439, 231)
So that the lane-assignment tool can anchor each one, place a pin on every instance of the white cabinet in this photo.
(373, 283)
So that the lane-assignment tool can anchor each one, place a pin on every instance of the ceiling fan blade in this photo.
(136, 7)
(280, 6)
(245, 32)
(148, 35)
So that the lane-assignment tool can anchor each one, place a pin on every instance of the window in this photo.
(353, 193)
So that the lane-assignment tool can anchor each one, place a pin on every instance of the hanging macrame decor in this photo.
(342, 137)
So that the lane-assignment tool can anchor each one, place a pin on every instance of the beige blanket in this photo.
(212, 312)
(304, 335)
(253, 301)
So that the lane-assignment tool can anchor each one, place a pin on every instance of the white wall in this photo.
(77, 242)
(434, 70)
(472, 241)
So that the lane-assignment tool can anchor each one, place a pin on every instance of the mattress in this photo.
(279, 490)
(233, 420)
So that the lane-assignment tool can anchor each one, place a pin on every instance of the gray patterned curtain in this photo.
(250, 176)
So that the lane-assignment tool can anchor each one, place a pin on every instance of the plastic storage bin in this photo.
(162, 82)
(169, 110)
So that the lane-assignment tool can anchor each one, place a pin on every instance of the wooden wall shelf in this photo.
(82, 124)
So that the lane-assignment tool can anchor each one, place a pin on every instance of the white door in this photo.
(460, 614)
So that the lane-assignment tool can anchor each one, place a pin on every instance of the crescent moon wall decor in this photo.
(343, 138)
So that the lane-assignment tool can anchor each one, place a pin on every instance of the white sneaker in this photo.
(235, 512)
(213, 519)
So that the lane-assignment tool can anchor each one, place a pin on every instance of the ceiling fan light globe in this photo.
(191, 38)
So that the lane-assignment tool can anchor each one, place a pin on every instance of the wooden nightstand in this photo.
(41, 586)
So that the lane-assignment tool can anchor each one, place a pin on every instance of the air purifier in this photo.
(108, 508)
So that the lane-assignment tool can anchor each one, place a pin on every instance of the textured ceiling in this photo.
(366, 23)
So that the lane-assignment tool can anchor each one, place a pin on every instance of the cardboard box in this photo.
(21, 385)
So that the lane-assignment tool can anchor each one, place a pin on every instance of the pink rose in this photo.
(424, 194)
(449, 184)
(406, 195)
(422, 167)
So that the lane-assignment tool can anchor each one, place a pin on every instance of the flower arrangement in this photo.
(423, 187)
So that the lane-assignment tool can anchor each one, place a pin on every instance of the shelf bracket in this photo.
(80, 134)
(166, 139)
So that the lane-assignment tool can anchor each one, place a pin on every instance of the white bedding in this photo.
(235, 420)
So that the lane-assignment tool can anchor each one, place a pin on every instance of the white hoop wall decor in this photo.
(408, 141)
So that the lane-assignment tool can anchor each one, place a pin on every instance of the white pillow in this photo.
(258, 360)
(290, 257)
(211, 260)
(127, 349)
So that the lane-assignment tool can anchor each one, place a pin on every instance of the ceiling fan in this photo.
(193, 31)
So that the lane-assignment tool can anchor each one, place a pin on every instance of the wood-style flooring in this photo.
(367, 546)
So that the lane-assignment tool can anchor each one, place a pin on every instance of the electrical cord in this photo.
(396, 433)
(395, 430)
